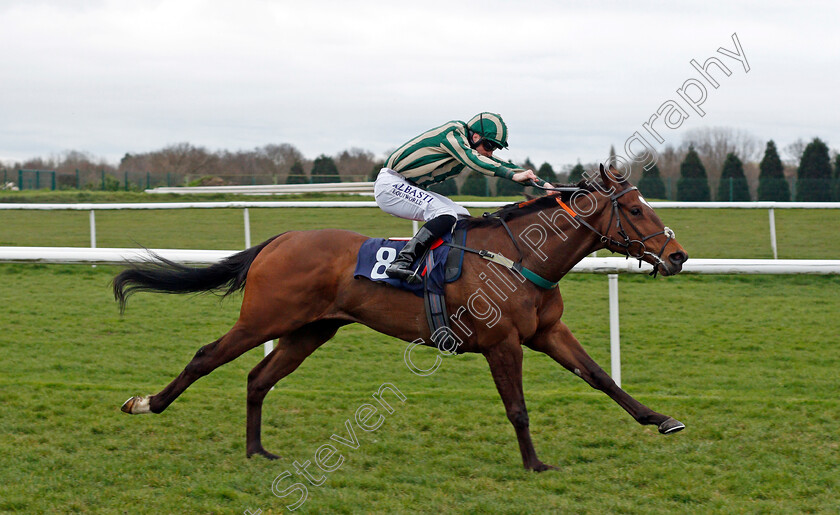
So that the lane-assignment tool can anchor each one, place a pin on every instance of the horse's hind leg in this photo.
(559, 343)
(236, 342)
(289, 354)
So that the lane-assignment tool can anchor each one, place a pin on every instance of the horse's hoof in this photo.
(542, 467)
(136, 405)
(671, 425)
(264, 453)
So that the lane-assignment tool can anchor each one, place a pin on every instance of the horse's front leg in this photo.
(559, 343)
(505, 361)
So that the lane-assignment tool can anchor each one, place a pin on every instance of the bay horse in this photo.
(299, 288)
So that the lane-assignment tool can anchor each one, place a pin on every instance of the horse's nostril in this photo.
(678, 258)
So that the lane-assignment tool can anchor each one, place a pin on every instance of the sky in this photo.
(569, 78)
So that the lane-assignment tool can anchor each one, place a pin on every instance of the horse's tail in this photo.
(162, 275)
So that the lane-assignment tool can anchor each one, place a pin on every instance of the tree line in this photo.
(724, 164)
(710, 164)
(186, 164)
(816, 181)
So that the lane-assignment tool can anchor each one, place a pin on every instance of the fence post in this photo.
(247, 229)
(37, 179)
(92, 229)
(615, 338)
(20, 180)
(773, 233)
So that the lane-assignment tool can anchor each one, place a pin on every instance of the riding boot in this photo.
(417, 247)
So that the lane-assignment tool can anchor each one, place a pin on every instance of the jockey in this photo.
(434, 156)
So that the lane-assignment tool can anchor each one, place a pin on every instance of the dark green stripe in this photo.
(536, 279)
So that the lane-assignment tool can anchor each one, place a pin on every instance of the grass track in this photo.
(752, 372)
(748, 363)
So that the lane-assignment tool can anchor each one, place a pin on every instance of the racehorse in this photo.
(299, 288)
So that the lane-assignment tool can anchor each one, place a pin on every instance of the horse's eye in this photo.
(635, 211)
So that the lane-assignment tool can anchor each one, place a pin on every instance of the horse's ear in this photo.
(617, 175)
(607, 177)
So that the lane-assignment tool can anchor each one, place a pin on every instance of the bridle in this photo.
(632, 248)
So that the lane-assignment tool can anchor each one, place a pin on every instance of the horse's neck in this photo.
(565, 242)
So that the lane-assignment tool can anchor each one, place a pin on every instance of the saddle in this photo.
(441, 265)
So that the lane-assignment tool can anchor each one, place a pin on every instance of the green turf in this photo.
(748, 363)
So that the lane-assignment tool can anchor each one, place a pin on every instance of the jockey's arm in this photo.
(456, 146)
(523, 174)
(526, 175)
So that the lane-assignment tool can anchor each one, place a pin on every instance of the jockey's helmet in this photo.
(490, 126)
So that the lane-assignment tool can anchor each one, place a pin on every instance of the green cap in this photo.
(490, 126)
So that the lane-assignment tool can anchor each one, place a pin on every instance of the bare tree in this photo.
(77, 169)
(669, 161)
(793, 152)
(37, 163)
(245, 164)
(181, 160)
(751, 172)
(714, 143)
(186, 159)
(73, 160)
(283, 157)
(355, 164)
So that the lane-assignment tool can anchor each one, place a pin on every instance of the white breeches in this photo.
(398, 197)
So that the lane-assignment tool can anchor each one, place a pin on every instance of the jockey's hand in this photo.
(526, 175)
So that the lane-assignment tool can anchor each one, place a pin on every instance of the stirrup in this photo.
(416, 247)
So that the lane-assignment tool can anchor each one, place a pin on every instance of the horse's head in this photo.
(635, 230)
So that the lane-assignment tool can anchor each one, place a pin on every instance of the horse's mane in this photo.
(517, 209)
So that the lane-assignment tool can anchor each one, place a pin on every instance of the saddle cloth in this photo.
(376, 254)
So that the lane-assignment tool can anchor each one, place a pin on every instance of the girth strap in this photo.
(434, 303)
(499, 259)
(514, 265)
(533, 277)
